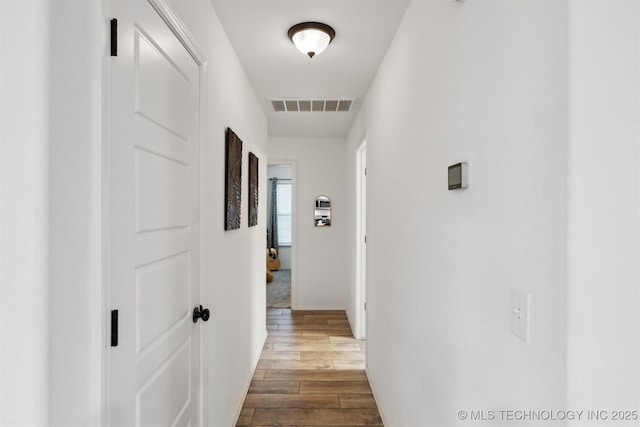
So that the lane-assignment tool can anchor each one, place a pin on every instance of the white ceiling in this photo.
(258, 29)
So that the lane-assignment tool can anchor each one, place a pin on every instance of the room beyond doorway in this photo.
(279, 290)
(280, 235)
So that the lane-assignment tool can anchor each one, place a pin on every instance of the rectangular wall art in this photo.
(253, 190)
(233, 180)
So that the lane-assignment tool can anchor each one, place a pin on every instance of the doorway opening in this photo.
(280, 235)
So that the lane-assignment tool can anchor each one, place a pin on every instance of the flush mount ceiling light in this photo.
(311, 38)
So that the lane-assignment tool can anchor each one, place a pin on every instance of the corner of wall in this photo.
(24, 213)
(603, 332)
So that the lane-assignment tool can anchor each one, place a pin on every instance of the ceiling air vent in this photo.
(310, 105)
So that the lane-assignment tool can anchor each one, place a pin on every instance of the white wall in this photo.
(604, 207)
(318, 279)
(24, 219)
(233, 261)
(77, 337)
(483, 82)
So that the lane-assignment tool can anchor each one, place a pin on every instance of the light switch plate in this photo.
(520, 302)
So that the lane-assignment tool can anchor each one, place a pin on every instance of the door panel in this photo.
(162, 192)
(154, 256)
(162, 297)
(155, 69)
(167, 393)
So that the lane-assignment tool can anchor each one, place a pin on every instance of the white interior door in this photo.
(154, 371)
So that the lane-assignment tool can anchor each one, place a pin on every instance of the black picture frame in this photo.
(233, 180)
(253, 190)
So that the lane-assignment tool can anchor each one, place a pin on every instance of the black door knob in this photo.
(200, 313)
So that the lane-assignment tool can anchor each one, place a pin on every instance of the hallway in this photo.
(521, 291)
(310, 373)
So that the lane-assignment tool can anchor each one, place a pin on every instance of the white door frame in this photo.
(294, 225)
(361, 247)
(182, 33)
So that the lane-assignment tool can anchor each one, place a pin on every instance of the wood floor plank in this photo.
(332, 355)
(344, 340)
(315, 417)
(323, 387)
(328, 334)
(280, 355)
(326, 316)
(302, 375)
(341, 322)
(246, 415)
(310, 327)
(297, 340)
(349, 364)
(274, 387)
(293, 401)
(310, 374)
(275, 334)
(302, 320)
(312, 346)
(295, 364)
(357, 400)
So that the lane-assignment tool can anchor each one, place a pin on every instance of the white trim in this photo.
(294, 226)
(240, 404)
(175, 24)
(105, 221)
(351, 325)
(320, 307)
(372, 385)
(204, 294)
(360, 283)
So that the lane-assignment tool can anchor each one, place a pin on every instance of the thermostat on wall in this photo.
(458, 176)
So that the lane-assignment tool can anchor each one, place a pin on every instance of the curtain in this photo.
(272, 225)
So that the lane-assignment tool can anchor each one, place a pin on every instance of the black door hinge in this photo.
(114, 37)
(114, 328)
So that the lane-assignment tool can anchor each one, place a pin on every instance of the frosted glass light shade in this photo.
(311, 38)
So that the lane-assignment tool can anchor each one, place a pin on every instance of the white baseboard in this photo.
(319, 307)
(373, 391)
(248, 383)
(351, 326)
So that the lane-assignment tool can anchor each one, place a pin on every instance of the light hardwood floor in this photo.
(310, 373)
